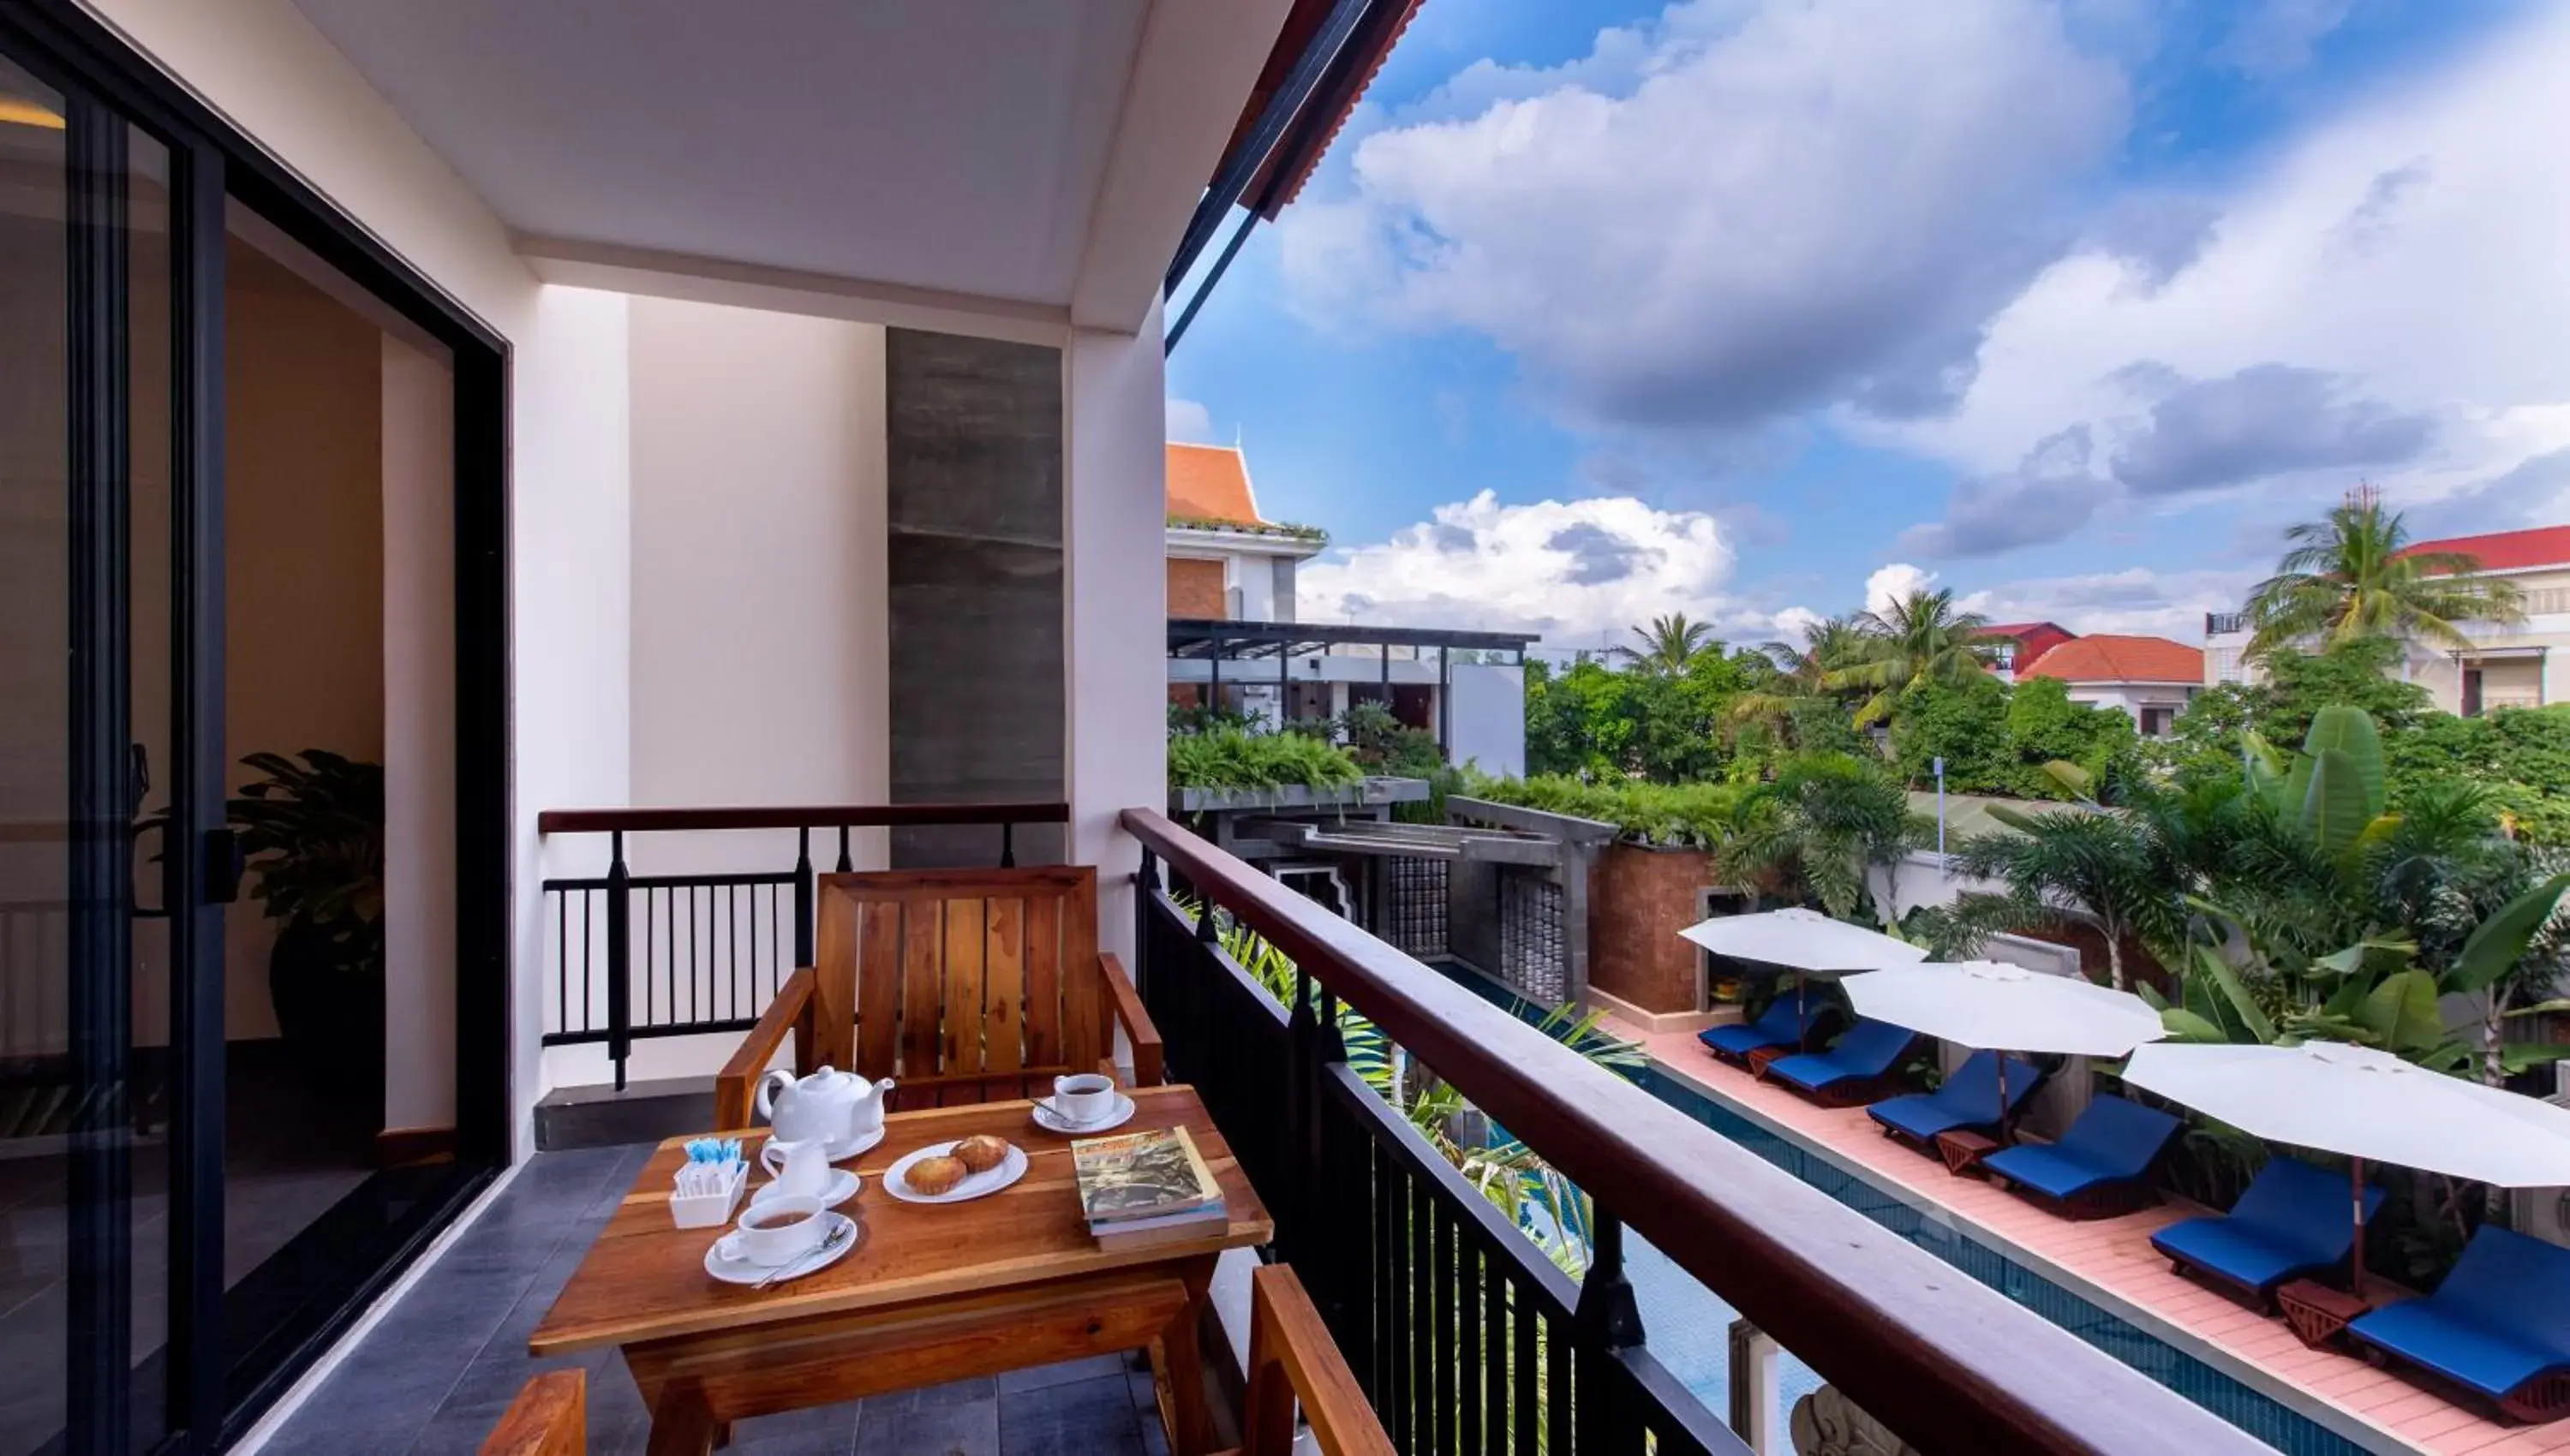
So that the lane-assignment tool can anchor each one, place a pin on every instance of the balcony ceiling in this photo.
(955, 145)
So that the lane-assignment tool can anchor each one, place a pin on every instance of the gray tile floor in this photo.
(433, 1376)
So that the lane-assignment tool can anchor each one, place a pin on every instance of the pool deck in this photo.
(2111, 1262)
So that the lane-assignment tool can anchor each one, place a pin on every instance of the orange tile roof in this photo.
(2109, 658)
(2507, 550)
(1211, 482)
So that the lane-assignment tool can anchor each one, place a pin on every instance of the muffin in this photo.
(933, 1176)
(981, 1154)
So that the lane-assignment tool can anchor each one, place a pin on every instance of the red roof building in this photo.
(2507, 550)
(2151, 678)
(2022, 642)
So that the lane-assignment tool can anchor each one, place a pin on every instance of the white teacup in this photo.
(776, 1232)
(798, 1169)
(1083, 1097)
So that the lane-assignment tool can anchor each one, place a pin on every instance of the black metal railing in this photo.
(1462, 1332)
(636, 956)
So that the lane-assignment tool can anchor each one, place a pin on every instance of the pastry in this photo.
(933, 1176)
(981, 1154)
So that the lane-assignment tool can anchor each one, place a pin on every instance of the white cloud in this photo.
(1190, 423)
(2273, 37)
(2156, 603)
(1578, 571)
(2414, 249)
(1892, 583)
(1733, 212)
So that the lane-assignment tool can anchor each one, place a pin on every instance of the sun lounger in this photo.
(2291, 1223)
(1859, 1070)
(1970, 1098)
(1781, 1024)
(2101, 1166)
(2499, 1325)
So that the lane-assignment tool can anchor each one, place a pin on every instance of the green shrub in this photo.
(1695, 816)
(1231, 758)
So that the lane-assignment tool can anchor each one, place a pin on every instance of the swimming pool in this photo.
(1688, 1325)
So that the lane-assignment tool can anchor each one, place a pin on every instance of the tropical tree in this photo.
(1825, 820)
(1669, 643)
(2351, 575)
(1802, 673)
(1914, 641)
(2099, 867)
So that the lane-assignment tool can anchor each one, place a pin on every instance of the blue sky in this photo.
(1751, 308)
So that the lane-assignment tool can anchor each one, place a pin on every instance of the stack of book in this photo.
(1145, 1188)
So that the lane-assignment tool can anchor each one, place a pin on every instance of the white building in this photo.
(2149, 679)
(2524, 666)
(1236, 638)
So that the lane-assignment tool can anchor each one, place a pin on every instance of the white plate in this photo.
(742, 1272)
(1052, 1122)
(975, 1184)
(841, 1187)
(839, 1152)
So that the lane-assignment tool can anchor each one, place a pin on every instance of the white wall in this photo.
(760, 643)
(1489, 718)
(419, 737)
(263, 65)
(2131, 698)
(1118, 591)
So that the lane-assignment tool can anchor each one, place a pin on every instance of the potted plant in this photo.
(313, 833)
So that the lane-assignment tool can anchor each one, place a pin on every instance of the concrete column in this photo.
(1116, 665)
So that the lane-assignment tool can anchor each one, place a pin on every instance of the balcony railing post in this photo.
(1008, 845)
(1605, 1323)
(847, 862)
(1303, 1153)
(619, 959)
(1145, 880)
(803, 896)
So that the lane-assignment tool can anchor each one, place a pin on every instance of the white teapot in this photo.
(829, 1106)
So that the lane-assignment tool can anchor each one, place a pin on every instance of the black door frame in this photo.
(209, 1398)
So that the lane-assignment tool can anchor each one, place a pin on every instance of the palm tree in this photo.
(1917, 640)
(1669, 643)
(2351, 575)
(1827, 819)
(2092, 868)
(1801, 673)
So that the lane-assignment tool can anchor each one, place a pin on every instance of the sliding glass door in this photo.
(108, 816)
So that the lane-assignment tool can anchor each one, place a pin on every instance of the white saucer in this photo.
(1051, 1121)
(839, 1152)
(843, 1186)
(742, 1272)
(975, 1184)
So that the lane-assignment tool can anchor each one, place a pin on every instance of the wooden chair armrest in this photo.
(550, 1417)
(1293, 1359)
(1126, 1003)
(738, 1079)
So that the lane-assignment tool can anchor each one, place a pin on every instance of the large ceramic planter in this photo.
(329, 999)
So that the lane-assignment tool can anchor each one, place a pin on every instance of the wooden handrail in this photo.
(851, 815)
(1917, 1343)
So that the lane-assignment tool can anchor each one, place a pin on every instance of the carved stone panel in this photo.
(1827, 1423)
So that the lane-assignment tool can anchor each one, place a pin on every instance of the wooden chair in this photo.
(1292, 1359)
(962, 985)
(550, 1417)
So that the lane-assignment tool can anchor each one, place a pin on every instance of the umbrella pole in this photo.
(2356, 1206)
(2003, 1103)
(1802, 1010)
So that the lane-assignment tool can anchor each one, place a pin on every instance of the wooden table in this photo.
(936, 1292)
(1760, 1058)
(2318, 1312)
(1963, 1148)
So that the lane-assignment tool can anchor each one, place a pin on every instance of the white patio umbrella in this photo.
(2366, 1103)
(1989, 1005)
(1805, 940)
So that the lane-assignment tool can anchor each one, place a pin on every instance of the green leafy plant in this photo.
(2353, 576)
(1689, 816)
(313, 831)
(1234, 757)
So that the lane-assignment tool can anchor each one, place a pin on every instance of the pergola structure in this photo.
(1266, 651)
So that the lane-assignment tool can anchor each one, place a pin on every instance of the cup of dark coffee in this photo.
(1083, 1097)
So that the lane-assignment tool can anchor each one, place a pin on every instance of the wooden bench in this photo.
(962, 985)
(550, 1417)
(1293, 1360)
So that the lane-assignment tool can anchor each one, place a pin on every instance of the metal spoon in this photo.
(838, 1236)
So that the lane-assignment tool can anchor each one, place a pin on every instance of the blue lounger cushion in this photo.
(1869, 1049)
(1968, 1099)
(2292, 1221)
(2112, 1141)
(2501, 1318)
(1781, 1024)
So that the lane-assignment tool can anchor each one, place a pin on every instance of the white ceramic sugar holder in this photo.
(710, 1209)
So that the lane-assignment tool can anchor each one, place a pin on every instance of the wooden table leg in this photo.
(1181, 1355)
(681, 1423)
